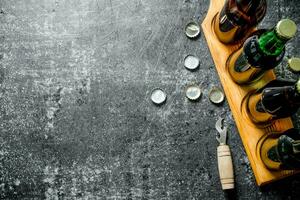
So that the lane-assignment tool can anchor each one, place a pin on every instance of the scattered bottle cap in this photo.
(216, 95)
(192, 29)
(294, 64)
(193, 92)
(191, 62)
(158, 96)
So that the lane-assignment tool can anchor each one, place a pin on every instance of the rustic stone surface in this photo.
(76, 120)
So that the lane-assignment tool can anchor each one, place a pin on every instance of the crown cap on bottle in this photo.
(294, 64)
(286, 28)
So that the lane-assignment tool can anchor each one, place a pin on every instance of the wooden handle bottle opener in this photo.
(225, 165)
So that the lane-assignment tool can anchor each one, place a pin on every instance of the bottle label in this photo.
(251, 56)
(252, 50)
(241, 64)
(225, 25)
(256, 56)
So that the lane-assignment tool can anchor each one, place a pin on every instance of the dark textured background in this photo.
(75, 117)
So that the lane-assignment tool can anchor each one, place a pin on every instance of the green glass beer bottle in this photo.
(237, 18)
(274, 103)
(260, 53)
(282, 151)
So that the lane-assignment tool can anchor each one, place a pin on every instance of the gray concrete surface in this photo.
(75, 117)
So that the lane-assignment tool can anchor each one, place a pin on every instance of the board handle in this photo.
(225, 167)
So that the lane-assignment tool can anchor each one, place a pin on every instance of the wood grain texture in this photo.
(225, 167)
(236, 95)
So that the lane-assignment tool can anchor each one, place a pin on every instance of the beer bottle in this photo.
(237, 17)
(282, 152)
(274, 103)
(260, 53)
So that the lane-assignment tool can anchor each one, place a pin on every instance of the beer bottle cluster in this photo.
(262, 50)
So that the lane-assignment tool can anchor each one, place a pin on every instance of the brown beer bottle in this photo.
(282, 151)
(274, 103)
(238, 17)
(260, 53)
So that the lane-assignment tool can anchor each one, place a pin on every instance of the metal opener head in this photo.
(222, 131)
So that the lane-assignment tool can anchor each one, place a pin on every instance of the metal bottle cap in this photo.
(286, 28)
(191, 62)
(192, 29)
(193, 92)
(294, 64)
(216, 95)
(158, 96)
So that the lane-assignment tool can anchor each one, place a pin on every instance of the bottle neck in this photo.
(271, 44)
(280, 102)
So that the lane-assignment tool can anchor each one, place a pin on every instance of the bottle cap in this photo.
(286, 28)
(298, 86)
(193, 92)
(158, 96)
(216, 95)
(191, 62)
(294, 64)
(192, 29)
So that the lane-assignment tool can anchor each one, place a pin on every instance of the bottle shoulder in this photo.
(282, 95)
(245, 12)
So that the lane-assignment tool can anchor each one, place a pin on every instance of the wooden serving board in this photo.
(251, 135)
